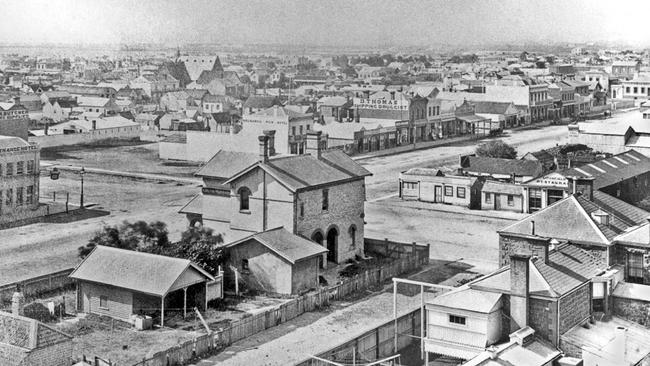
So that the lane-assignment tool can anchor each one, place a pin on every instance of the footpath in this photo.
(393, 200)
(147, 176)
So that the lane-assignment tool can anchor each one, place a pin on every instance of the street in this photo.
(37, 249)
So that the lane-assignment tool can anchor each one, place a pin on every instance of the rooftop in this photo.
(292, 248)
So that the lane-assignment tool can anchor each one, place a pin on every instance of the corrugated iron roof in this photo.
(612, 170)
(143, 272)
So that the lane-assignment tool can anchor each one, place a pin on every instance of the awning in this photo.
(463, 352)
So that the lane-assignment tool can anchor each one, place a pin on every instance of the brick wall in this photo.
(575, 308)
(637, 311)
(15, 127)
(59, 354)
(509, 245)
(12, 355)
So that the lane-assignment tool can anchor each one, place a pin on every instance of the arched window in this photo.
(353, 235)
(244, 194)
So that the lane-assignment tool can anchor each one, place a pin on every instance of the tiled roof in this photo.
(225, 164)
(291, 247)
(612, 170)
(568, 267)
(143, 272)
(298, 172)
(519, 167)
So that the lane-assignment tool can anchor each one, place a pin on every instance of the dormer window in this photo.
(244, 194)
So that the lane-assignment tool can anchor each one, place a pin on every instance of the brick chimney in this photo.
(18, 302)
(519, 282)
(271, 143)
(314, 143)
(264, 148)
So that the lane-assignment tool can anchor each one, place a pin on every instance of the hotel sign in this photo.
(385, 104)
(552, 180)
(18, 148)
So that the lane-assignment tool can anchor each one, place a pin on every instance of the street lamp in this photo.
(82, 172)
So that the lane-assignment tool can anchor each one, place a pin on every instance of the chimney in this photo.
(264, 148)
(271, 144)
(519, 277)
(314, 143)
(18, 302)
(532, 227)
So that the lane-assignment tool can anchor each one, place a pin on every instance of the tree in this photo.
(203, 247)
(141, 236)
(496, 149)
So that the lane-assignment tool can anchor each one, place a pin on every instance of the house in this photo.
(148, 121)
(256, 103)
(59, 109)
(25, 341)
(502, 196)
(433, 185)
(318, 195)
(103, 106)
(506, 170)
(503, 113)
(541, 290)
(276, 261)
(120, 283)
(216, 103)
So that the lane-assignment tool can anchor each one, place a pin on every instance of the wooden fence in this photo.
(409, 260)
(37, 286)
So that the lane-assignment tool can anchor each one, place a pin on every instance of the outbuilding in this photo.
(120, 283)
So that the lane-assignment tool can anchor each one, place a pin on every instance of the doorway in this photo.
(332, 241)
(438, 194)
(497, 202)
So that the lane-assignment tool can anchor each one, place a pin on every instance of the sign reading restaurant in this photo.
(550, 180)
(381, 103)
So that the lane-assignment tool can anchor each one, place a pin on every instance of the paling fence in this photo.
(36, 286)
(406, 260)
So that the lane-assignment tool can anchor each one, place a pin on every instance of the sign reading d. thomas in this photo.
(387, 104)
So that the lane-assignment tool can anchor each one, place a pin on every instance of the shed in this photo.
(276, 261)
(120, 283)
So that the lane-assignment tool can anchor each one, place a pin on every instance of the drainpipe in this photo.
(264, 218)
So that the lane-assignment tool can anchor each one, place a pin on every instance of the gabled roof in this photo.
(468, 299)
(612, 170)
(568, 267)
(8, 142)
(484, 165)
(143, 272)
(297, 172)
(92, 101)
(292, 248)
(504, 188)
(27, 333)
(224, 164)
(494, 107)
(261, 102)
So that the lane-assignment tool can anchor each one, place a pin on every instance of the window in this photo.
(244, 265)
(326, 199)
(553, 195)
(10, 168)
(244, 194)
(627, 89)
(460, 192)
(534, 199)
(300, 128)
(302, 209)
(10, 196)
(488, 197)
(19, 196)
(511, 200)
(353, 235)
(308, 126)
(457, 319)
(293, 131)
(20, 167)
(30, 167)
(103, 302)
(409, 185)
(449, 191)
(634, 267)
(635, 90)
(29, 198)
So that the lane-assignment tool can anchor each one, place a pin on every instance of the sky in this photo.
(324, 22)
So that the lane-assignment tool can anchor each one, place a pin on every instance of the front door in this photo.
(332, 241)
(438, 194)
(497, 202)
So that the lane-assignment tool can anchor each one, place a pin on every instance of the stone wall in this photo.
(59, 354)
(509, 245)
(575, 308)
(637, 311)
(542, 317)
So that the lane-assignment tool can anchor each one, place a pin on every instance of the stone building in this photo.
(19, 178)
(25, 341)
(14, 120)
(319, 195)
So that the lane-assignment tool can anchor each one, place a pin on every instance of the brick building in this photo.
(319, 196)
(19, 178)
(25, 342)
(14, 120)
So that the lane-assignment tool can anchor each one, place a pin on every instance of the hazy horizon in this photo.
(341, 23)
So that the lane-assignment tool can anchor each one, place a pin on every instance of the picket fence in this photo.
(212, 343)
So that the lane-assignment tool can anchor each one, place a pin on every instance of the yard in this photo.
(142, 157)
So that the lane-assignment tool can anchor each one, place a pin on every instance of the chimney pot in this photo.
(314, 143)
(18, 302)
